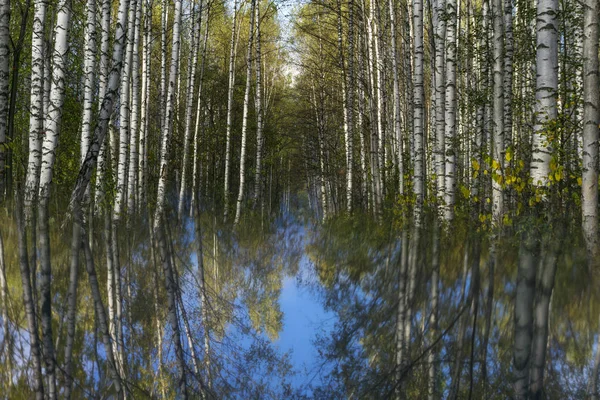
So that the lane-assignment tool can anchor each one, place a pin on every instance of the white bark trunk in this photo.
(4, 76)
(498, 111)
(546, 89)
(195, 44)
(36, 121)
(124, 116)
(450, 123)
(135, 102)
(240, 198)
(232, 48)
(591, 119)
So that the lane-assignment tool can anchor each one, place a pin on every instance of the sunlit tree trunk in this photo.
(439, 22)
(259, 113)
(191, 77)
(134, 128)
(591, 120)
(4, 94)
(124, 116)
(546, 89)
(102, 88)
(52, 129)
(145, 104)
(89, 71)
(508, 72)
(240, 198)
(170, 282)
(450, 116)
(36, 117)
(498, 111)
(198, 157)
(231, 84)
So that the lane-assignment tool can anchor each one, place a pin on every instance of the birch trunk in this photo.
(197, 158)
(89, 70)
(546, 89)
(591, 119)
(135, 101)
(232, 48)
(4, 77)
(498, 105)
(124, 116)
(259, 113)
(191, 77)
(52, 125)
(240, 198)
(102, 87)
(439, 22)
(419, 101)
(36, 118)
(450, 116)
(170, 283)
(144, 113)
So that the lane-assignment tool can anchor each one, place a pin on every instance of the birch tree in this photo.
(36, 120)
(52, 130)
(4, 78)
(230, 87)
(240, 198)
(546, 90)
(591, 121)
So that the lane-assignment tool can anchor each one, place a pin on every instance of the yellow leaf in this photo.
(475, 165)
(508, 155)
(465, 192)
(495, 164)
(579, 181)
(557, 176)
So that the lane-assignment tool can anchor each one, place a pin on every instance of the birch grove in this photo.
(427, 169)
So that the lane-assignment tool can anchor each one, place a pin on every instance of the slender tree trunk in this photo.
(135, 102)
(145, 105)
(498, 105)
(36, 118)
(124, 116)
(198, 157)
(4, 78)
(546, 89)
(591, 120)
(195, 44)
(232, 48)
(450, 123)
(102, 88)
(439, 22)
(57, 92)
(259, 113)
(240, 198)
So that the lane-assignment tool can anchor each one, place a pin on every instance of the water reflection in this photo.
(292, 308)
